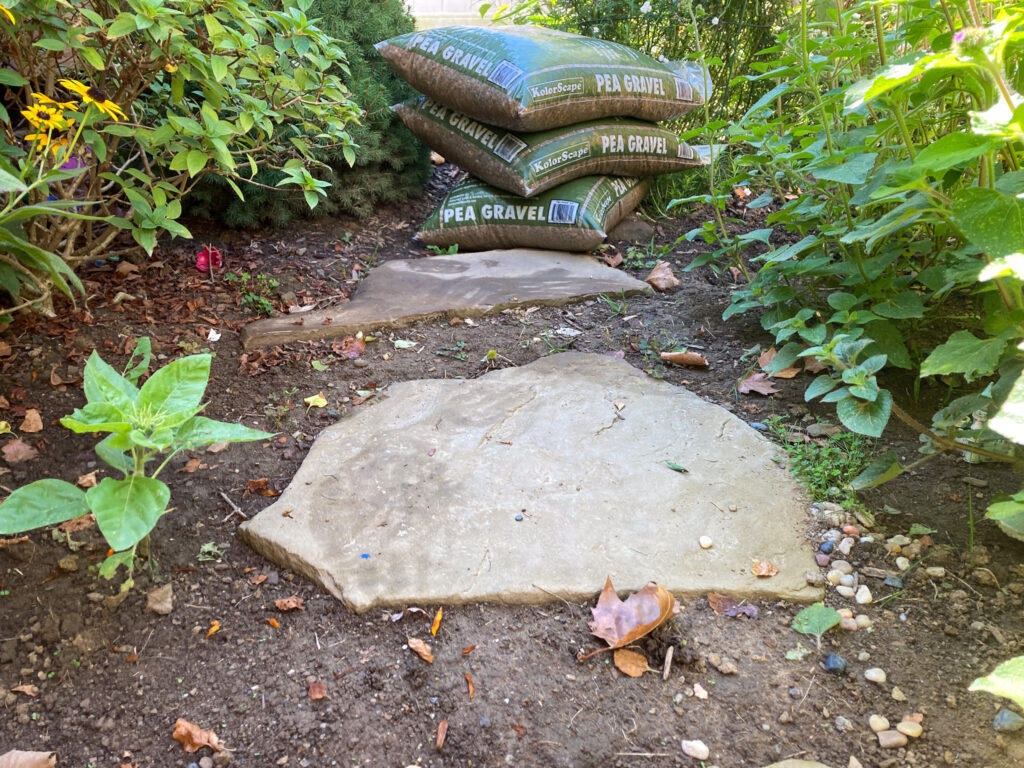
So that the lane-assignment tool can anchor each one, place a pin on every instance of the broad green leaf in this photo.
(195, 161)
(991, 220)
(126, 510)
(820, 386)
(12, 78)
(841, 300)
(102, 384)
(43, 502)
(124, 24)
(116, 457)
(1009, 419)
(96, 417)
(854, 171)
(888, 341)
(676, 467)
(175, 391)
(109, 566)
(965, 353)
(902, 306)
(199, 431)
(866, 417)
(882, 469)
(93, 56)
(816, 619)
(316, 401)
(1006, 680)
(139, 361)
(951, 150)
(318, 365)
(10, 183)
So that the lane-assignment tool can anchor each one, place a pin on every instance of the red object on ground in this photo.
(209, 255)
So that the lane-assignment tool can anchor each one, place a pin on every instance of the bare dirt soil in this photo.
(107, 679)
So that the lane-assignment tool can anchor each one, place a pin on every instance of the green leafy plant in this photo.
(827, 467)
(256, 291)
(816, 619)
(159, 419)
(1005, 680)
(449, 251)
(645, 257)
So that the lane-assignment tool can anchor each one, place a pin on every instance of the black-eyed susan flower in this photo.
(41, 139)
(45, 116)
(7, 13)
(42, 98)
(90, 94)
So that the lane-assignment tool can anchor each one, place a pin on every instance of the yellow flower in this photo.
(59, 146)
(7, 13)
(41, 139)
(45, 116)
(42, 98)
(92, 95)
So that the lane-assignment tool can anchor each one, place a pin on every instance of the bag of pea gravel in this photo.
(530, 163)
(525, 78)
(575, 216)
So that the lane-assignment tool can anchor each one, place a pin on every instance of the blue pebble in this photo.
(759, 426)
(893, 581)
(1006, 721)
(365, 555)
(827, 546)
(519, 517)
(835, 664)
(433, 699)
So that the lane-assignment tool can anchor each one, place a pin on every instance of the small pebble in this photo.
(877, 723)
(814, 578)
(698, 750)
(875, 675)
(700, 692)
(863, 622)
(827, 546)
(850, 625)
(705, 542)
(796, 694)
(847, 592)
(206, 762)
(893, 581)
(843, 724)
(851, 530)
(842, 566)
(863, 595)
(846, 545)
(902, 563)
(519, 518)
(891, 740)
(759, 426)
(867, 539)
(821, 559)
(360, 363)
(848, 580)
(845, 613)
(835, 664)
(935, 572)
(911, 729)
(898, 694)
(863, 656)
(1006, 721)
(834, 576)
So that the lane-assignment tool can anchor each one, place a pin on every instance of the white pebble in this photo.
(867, 539)
(863, 622)
(897, 694)
(842, 566)
(846, 545)
(935, 572)
(902, 563)
(848, 580)
(863, 595)
(850, 625)
(696, 749)
(875, 675)
(834, 576)
(863, 656)
(878, 723)
(705, 542)
(699, 692)
(846, 592)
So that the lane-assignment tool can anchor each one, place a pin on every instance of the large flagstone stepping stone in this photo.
(538, 481)
(403, 292)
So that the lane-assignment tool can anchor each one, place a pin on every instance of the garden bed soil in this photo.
(111, 678)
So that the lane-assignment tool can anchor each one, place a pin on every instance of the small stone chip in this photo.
(891, 740)
(910, 728)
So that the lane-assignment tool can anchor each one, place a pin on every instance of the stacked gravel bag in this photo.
(535, 112)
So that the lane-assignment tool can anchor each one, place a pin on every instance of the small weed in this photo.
(256, 291)
(826, 469)
(210, 551)
(451, 250)
(280, 403)
(645, 257)
(618, 308)
(456, 350)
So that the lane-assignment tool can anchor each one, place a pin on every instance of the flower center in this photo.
(96, 94)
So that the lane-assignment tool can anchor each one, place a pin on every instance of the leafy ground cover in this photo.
(282, 674)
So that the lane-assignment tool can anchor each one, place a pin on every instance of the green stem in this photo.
(879, 34)
(907, 142)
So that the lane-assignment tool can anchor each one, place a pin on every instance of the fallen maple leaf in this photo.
(764, 569)
(684, 358)
(17, 451)
(315, 689)
(756, 382)
(437, 622)
(619, 622)
(88, 480)
(630, 662)
(442, 733)
(612, 260)
(813, 365)
(214, 628)
(293, 603)
(661, 277)
(32, 422)
(28, 690)
(469, 682)
(193, 738)
(724, 605)
(17, 758)
(422, 649)
(78, 523)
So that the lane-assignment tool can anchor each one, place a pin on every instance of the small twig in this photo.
(234, 508)
(668, 663)
(557, 597)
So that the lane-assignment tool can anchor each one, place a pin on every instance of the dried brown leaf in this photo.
(87, 481)
(260, 487)
(315, 689)
(469, 683)
(630, 662)
(786, 373)
(32, 422)
(684, 358)
(257, 579)
(422, 649)
(193, 738)
(612, 259)
(349, 348)
(442, 733)
(17, 451)
(273, 622)
(29, 690)
(812, 365)
(191, 465)
(293, 603)
(17, 758)
(765, 358)
(757, 382)
(764, 569)
(467, 649)
(214, 628)
(723, 605)
(78, 523)
(619, 622)
(661, 277)
(437, 622)
(5, 349)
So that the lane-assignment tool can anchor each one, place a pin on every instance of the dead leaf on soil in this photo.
(293, 603)
(32, 422)
(78, 523)
(437, 622)
(193, 738)
(469, 682)
(214, 628)
(520, 730)
(612, 259)
(630, 662)
(786, 373)
(5, 349)
(259, 487)
(28, 690)
(467, 649)
(87, 481)
(422, 649)
(684, 358)
(661, 277)
(17, 451)
(756, 382)
(766, 357)
(723, 605)
(812, 365)
(349, 348)
(315, 689)
(401, 614)
(17, 758)
(620, 623)
(217, 447)
(764, 569)
(257, 579)
(442, 733)
(191, 466)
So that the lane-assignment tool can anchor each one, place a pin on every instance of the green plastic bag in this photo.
(531, 79)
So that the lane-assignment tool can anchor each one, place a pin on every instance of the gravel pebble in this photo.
(902, 563)
(847, 592)
(834, 576)
(877, 723)
(875, 675)
(935, 572)
(909, 728)
(891, 740)
(698, 750)
(897, 694)
(835, 664)
(705, 542)
(846, 545)
(842, 566)
(863, 595)
(1006, 721)
(863, 622)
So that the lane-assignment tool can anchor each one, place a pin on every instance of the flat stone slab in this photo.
(399, 293)
(538, 481)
